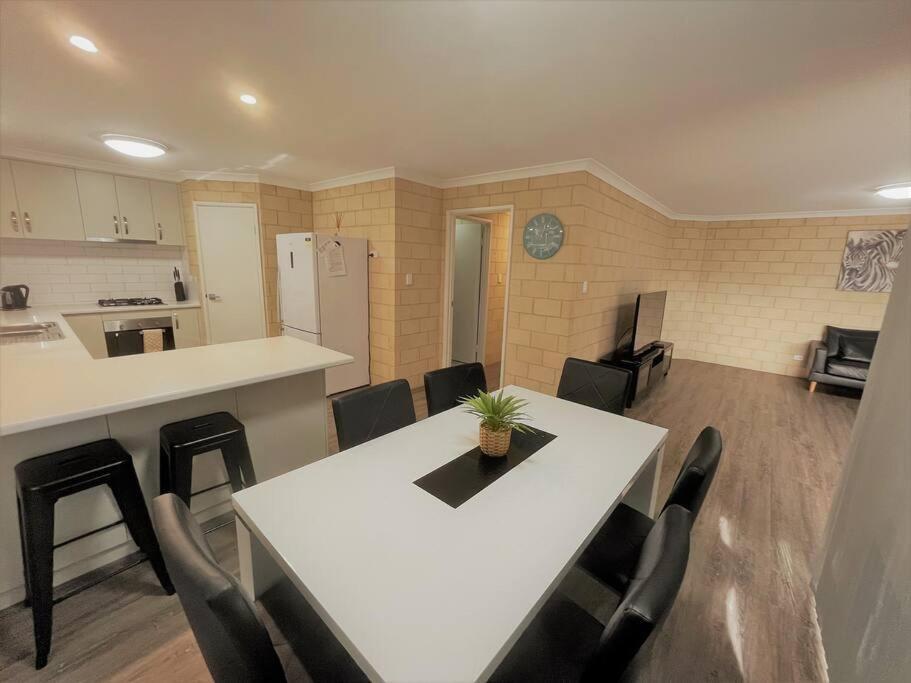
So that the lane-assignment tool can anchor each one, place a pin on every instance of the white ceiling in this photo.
(712, 108)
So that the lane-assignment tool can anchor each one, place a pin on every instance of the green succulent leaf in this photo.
(497, 411)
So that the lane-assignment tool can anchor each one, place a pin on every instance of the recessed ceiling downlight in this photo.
(134, 147)
(83, 43)
(247, 99)
(897, 191)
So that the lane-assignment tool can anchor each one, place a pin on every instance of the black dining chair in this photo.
(444, 387)
(232, 638)
(565, 643)
(595, 385)
(613, 554)
(371, 412)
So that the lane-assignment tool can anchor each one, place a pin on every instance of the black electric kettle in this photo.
(14, 297)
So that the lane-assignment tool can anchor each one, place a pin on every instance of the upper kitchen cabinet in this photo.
(166, 207)
(99, 205)
(10, 225)
(48, 201)
(137, 220)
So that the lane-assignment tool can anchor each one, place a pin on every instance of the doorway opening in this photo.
(231, 271)
(476, 288)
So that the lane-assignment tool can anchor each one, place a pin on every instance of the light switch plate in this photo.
(797, 356)
(585, 286)
(409, 279)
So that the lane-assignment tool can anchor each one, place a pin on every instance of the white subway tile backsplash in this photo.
(76, 272)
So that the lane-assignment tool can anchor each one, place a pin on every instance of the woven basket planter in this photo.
(494, 444)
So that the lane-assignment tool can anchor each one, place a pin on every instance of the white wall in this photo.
(863, 591)
(78, 272)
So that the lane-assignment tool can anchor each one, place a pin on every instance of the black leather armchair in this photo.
(842, 357)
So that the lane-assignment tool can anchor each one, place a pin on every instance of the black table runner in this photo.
(470, 473)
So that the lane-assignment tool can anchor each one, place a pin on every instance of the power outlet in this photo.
(409, 279)
(797, 356)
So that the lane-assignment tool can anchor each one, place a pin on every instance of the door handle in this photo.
(213, 297)
(116, 226)
(14, 219)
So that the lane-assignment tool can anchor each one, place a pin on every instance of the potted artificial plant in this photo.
(500, 414)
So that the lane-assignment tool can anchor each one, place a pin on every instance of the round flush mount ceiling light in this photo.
(247, 99)
(83, 43)
(134, 147)
(897, 191)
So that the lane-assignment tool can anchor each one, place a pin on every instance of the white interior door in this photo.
(466, 290)
(232, 272)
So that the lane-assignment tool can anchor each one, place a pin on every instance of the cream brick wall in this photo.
(280, 209)
(749, 294)
(419, 235)
(765, 288)
(367, 210)
(496, 289)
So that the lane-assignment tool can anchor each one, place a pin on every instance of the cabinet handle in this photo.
(176, 322)
(28, 221)
(126, 225)
(116, 226)
(160, 233)
(14, 219)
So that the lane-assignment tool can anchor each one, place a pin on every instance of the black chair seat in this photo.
(563, 643)
(444, 387)
(612, 555)
(72, 467)
(614, 551)
(365, 414)
(556, 646)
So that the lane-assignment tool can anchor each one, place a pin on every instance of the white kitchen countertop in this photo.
(49, 383)
(82, 309)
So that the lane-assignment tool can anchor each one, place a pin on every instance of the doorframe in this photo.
(475, 213)
(202, 265)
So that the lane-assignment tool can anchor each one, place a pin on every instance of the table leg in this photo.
(258, 571)
(643, 494)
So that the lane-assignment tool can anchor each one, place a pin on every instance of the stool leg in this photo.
(28, 592)
(181, 474)
(240, 454)
(164, 471)
(38, 541)
(127, 492)
(232, 466)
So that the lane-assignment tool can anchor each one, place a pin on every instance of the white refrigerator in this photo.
(322, 289)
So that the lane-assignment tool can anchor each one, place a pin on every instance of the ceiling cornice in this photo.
(593, 166)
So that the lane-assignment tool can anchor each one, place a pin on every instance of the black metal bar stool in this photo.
(182, 441)
(40, 483)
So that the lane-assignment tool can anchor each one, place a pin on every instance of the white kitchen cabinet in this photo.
(48, 200)
(98, 198)
(137, 220)
(166, 207)
(186, 327)
(10, 222)
(90, 331)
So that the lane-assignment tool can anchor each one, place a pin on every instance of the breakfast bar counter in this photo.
(54, 395)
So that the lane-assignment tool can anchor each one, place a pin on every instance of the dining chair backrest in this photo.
(232, 638)
(649, 597)
(371, 412)
(444, 387)
(697, 472)
(596, 385)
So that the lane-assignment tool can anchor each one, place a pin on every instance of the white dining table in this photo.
(418, 590)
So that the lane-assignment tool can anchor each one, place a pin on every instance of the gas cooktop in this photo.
(135, 301)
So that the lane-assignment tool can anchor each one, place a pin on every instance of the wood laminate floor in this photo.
(744, 611)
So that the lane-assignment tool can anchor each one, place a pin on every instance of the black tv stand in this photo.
(649, 367)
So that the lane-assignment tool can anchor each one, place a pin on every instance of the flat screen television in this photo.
(649, 320)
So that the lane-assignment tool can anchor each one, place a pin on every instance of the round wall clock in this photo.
(543, 236)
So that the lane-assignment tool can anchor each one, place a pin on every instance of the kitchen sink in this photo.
(30, 332)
